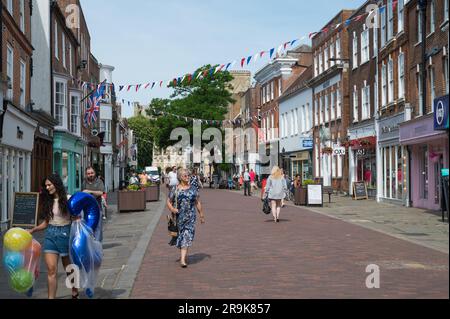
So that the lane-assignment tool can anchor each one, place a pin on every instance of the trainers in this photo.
(104, 217)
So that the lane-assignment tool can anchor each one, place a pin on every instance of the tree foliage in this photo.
(142, 129)
(206, 98)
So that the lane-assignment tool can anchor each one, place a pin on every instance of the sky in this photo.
(149, 40)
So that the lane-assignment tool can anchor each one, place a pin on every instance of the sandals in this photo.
(76, 296)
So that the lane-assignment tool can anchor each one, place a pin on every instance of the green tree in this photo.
(206, 98)
(143, 129)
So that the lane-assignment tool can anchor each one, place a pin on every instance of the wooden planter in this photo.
(131, 201)
(300, 196)
(152, 193)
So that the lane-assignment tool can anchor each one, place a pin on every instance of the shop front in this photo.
(429, 154)
(16, 144)
(67, 160)
(361, 146)
(392, 162)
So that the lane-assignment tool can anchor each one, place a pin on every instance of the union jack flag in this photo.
(93, 106)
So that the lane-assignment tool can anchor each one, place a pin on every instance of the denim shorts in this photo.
(57, 240)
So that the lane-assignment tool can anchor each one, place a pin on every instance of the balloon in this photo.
(81, 253)
(13, 261)
(22, 281)
(32, 254)
(87, 203)
(17, 239)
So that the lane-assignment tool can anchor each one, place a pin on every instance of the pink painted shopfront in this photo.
(429, 154)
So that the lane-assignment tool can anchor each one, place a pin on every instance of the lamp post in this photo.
(423, 71)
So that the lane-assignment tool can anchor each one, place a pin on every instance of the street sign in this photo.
(441, 114)
(308, 143)
(339, 151)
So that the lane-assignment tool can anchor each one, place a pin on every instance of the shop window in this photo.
(400, 173)
(65, 170)
(423, 185)
(77, 171)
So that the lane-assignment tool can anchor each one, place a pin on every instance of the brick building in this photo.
(331, 101)
(363, 86)
(428, 148)
(17, 127)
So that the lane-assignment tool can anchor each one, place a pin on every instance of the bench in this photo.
(328, 190)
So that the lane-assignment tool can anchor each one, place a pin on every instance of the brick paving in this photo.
(241, 253)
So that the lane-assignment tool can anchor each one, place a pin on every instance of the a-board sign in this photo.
(360, 190)
(314, 195)
(26, 206)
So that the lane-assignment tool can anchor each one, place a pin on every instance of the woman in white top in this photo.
(276, 191)
(57, 223)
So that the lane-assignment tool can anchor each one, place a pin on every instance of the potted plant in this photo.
(151, 192)
(365, 143)
(131, 199)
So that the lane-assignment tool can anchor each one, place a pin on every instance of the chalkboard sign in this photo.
(315, 195)
(360, 190)
(26, 207)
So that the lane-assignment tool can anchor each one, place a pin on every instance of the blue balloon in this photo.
(13, 261)
(87, 203)
(81, 255)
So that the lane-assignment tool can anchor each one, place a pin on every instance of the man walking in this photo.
(94, 186)
(173, 178)
(247, 190)
(253, 181)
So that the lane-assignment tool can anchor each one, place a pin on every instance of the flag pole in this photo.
(90, 93)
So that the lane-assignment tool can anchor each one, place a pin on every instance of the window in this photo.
(419, 26)
(279, 87)
(268, 93)
(365, 95)
(419, 90)
(292, 123)
(365, 45)
(303, 119)
(432, 87)
(22, 16)
(383, 85)
(375, 94)
(326, 107)
(390, 27)
(307, 117)
(446, 73)
(319, 107)
(70, 59)
(60, 103)
(56, 41)
(75, 114)
(355, 50)
(375, 39)
(23, 84)
(272, 126)
(263, 94)
(333, 99)
(105, 126)
(9, 6)
(296, 121)
(326, 58)
(320, 63)
(355, 104)
(272, 91)
(10, 71)
(316, 65)
(445, 10)
(391, 80)
(332, 54)
(63, 44)
(400, 12)
(339, 105)
(338, 48)
(401, 75)
(432, 16)
(383, 26)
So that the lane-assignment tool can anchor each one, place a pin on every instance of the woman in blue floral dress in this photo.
(183, 201)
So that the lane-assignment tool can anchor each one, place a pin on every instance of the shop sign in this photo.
(308, 143)
(441, 113)
(360, 152)
(339, 151)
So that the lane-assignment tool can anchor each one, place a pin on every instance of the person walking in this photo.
(94, 185)
(143, 178)
(134, 180)
(195, 181)
(57, 223)
(173, 178)
(247, 190)
(253, 181)
(184, 201)
(276, 190)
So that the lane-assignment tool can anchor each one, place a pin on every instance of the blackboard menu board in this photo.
(360, 190)
(26, 207)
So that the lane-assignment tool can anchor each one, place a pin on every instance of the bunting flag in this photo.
(138, 86)
(271, 53)
(311, 34)
(129, 87)
(160, 84)
(347, 22)
(261, 54)
(242, 62)
(292, 42)
(146, 86)
(359, 17)
(394, 4)
(228, 65)
(248, 59)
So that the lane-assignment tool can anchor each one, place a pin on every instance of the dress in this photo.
(187, 215)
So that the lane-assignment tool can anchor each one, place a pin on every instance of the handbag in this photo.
(172, 226)
(266, 206)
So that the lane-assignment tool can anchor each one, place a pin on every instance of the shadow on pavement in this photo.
(197, 258)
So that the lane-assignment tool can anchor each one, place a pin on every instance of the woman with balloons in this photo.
(57, 223)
